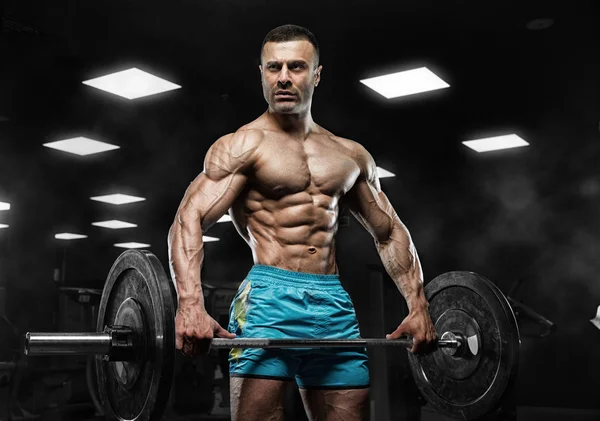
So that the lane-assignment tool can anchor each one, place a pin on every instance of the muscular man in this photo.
(282, 177)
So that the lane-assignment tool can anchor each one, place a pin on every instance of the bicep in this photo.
(371, 207)
(215, 190)
(207, 199)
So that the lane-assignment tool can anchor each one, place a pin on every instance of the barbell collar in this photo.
(67, 343)
(116, 343)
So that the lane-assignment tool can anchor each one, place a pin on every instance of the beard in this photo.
(292, 106)
(286, 107)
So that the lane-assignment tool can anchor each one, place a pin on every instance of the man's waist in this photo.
(278, 276)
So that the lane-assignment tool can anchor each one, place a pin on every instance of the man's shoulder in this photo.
(358, 151)
(344, 141)
(242, 141)
(232, 152)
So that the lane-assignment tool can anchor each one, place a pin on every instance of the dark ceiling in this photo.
(504, 77)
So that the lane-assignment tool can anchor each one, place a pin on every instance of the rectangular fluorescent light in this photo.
(596, 320)
(405, 83)
(81, 146)
(131, 84)
(132, 245)
(69, 236)
(224, 218)
(117, 199)
(114, 224)
(496, 143)
(383, 173)
(208, 239)
(3, 226)
(4, 206)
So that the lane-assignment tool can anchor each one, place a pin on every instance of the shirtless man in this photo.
(282, 177)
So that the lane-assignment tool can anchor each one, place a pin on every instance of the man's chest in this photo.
(287, 167)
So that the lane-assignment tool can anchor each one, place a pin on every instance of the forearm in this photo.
(401, 261)
(186, 255)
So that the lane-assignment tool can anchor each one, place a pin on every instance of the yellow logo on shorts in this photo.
(240, 309)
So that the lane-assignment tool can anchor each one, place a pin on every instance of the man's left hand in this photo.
(417, 325)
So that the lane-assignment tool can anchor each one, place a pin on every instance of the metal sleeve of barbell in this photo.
(67, 343)
(318, 343)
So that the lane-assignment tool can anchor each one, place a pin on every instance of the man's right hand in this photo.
(195, 329)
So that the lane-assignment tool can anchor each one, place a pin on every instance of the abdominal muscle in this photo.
(294, 232)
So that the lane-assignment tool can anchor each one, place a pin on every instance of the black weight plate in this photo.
(468, 386)
(138, 294)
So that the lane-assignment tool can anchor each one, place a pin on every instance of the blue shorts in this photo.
(276, 303)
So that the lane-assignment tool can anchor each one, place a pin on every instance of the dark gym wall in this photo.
(527, 215)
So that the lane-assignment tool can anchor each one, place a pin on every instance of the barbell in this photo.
(475, 362)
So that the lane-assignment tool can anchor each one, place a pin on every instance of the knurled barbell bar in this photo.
(118, 344)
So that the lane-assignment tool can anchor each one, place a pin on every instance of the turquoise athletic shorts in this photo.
(276, 303)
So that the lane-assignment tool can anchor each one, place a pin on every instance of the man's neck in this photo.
(300, 125)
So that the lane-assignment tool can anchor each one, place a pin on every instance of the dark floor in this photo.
(532, 413)
(524, 413)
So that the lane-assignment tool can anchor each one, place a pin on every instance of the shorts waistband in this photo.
(278, 276)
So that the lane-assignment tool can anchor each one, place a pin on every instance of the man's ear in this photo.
(260, 68)
(318, 75)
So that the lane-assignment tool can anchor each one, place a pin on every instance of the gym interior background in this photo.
(526, 218)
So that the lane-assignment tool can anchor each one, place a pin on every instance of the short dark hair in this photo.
(290, 32)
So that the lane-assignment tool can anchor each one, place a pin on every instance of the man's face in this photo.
(289, 76)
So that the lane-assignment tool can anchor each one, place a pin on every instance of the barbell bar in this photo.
(467, 377)
(53, 343)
